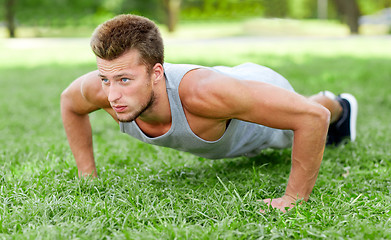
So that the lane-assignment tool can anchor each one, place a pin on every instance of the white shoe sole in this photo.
(353, 113)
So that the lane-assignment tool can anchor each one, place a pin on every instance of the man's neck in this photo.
(160, 112)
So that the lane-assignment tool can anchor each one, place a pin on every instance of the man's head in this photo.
(127, 32)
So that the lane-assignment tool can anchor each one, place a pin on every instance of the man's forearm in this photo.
(307, 155)
(78, 130)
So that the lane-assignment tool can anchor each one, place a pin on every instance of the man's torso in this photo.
(209, 137)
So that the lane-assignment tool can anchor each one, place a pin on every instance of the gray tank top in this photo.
(240, 138)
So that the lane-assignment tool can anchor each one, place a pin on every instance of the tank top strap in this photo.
(174, 74)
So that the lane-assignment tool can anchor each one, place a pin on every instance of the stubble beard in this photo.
(142, 109)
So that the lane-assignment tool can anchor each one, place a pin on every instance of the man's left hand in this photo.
(283, 203)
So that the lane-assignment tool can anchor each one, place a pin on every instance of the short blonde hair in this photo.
(125, 32)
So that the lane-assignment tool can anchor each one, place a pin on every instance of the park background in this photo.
(148, 192)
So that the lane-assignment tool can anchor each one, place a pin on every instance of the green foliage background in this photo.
(57, 13)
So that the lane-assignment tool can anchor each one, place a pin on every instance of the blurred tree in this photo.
(350, 12)
(322, 9)
(300, 9)
(56, 13)
(275, 8)
(227, 10)
(172, 8)
(10, 17)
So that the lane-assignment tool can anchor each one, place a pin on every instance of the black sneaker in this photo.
(344, 128)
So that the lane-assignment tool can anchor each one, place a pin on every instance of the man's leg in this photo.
(329, 101)
(343, 109)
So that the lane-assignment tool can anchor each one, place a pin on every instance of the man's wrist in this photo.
(294, 198)
(87, 173)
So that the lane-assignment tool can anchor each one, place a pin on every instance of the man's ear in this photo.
(157, 72)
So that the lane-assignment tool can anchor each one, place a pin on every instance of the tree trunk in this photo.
(172, 9)
(322, 9)
(350, 13)
(10, 17)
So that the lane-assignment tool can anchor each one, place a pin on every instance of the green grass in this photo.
(147, 192)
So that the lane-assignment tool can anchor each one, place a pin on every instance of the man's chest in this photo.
(207, 129)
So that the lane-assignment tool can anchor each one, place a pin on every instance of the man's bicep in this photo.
(273, 106)
(213, 95)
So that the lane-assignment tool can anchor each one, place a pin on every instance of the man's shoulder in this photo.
(198, 80)
(203, 91)
(91, 89)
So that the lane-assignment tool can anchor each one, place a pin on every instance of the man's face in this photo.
(127, 85)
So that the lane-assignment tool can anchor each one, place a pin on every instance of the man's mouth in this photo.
(119, 108)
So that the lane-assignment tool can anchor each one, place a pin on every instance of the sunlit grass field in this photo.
(148, 192)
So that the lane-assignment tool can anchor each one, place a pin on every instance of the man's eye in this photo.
(104, 80)
(124, 80)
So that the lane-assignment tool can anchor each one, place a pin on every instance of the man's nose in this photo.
(114, 94)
